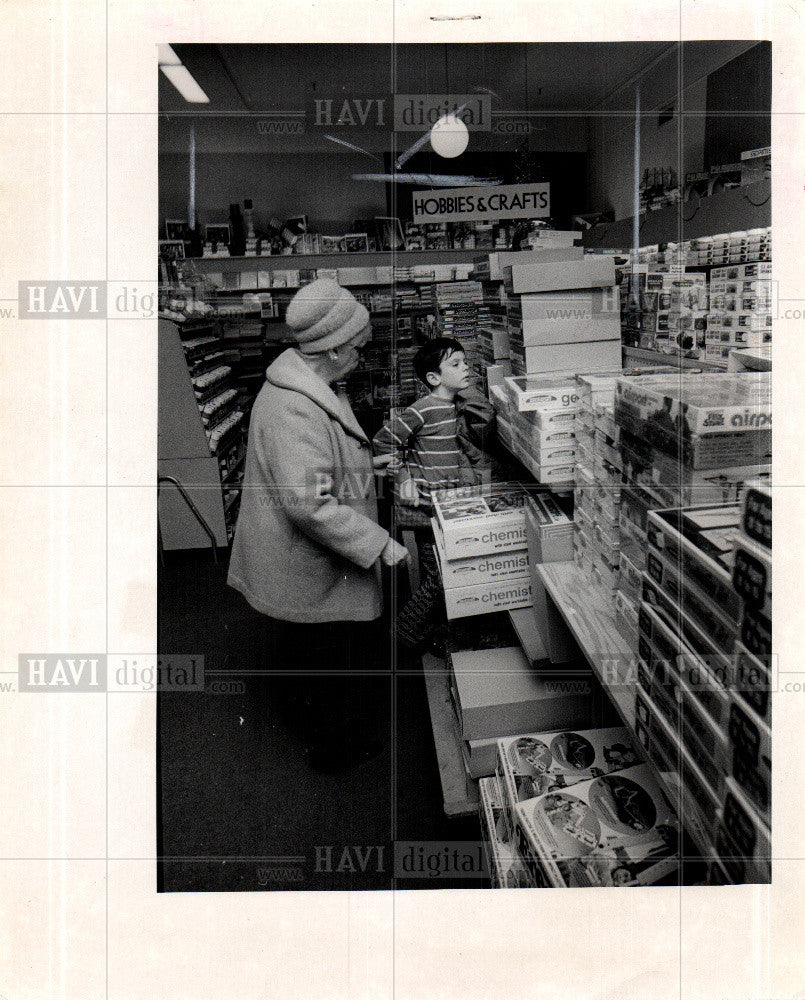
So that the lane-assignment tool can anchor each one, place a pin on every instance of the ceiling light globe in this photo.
(449, 136)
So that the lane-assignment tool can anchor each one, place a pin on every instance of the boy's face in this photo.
(454, 373)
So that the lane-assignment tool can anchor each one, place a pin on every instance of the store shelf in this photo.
(279, 262)
(730, 211)
(612, 661)
(640, 357)
(460, 792)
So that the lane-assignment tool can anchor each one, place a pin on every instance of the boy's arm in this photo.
(478, 417)
(398, 431)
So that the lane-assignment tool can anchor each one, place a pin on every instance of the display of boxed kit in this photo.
(563, 318)
(507, 869)
(593, 355)
(754, 681)
(743, 840)
(751, 574)
(549, 530)
(531, 764)
(590, 272)
(756, 513)
(699, 541)
(481, 599)
(616, 830)
(474, 523)
(480, 757)
(500, 694)
(750, 754)
(543, 394)
(492, 568)
(697, 405)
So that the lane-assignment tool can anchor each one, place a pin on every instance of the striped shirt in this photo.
(431, 438)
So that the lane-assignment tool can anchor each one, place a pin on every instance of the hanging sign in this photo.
(506, 201)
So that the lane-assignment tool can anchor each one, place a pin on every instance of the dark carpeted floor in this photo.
(239, 806)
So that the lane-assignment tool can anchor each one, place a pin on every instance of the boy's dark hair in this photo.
(428, 358)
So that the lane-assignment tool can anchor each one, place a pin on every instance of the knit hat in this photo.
(323, 315)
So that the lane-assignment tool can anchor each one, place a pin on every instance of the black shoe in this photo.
(334, 757)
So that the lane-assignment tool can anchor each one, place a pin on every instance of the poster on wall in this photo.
(474, 204)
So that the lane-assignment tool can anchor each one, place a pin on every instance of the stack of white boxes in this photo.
(563, 316)
(740, 309)
(704, 673)
(538, 426)
(481, 548)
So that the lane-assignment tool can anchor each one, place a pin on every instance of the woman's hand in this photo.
(384, 464)
(393, 554)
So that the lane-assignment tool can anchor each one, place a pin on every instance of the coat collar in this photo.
(289, 371)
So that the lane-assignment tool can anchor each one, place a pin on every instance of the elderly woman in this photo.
(307, 547)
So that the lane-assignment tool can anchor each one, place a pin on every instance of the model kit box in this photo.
(751, 574)
(549, 531)
(743, 840)
(615, 830)
(507, 869)
(699, 541)
(564, 318)
(754, 680)
(750, 754)
(591, 272)
(531, 764)
(702, 404)
(487, 569)
(481, 599)
(475, 524)
(500, 694)
(756, 633)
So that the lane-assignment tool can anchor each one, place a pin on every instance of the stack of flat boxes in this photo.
(740, 309)
(702, 696)
(539, 426)
(460, 311)
(563, 316)
(481, 549)
(559, 793)
(596, 541)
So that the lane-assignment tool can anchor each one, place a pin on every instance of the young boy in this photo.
(432, 438)
(431, 435)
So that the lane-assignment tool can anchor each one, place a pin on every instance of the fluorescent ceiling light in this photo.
(167, 57)
(435, 180)
(181, 79)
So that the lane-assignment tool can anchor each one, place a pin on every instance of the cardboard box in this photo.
(595, 355)
(476, 525)
(480, 757)
(751, 574)
(550, 421)
(743, 840)
(531, 764)
(756, 633)
(507, 869)
(618, 829)
(549, 530)
(564, 318)
(698, 543)
(754, 681)
(750, 754)
(591, 272)
(476, 570)
(702, 404)
(500, 694)
(481, 599)
(543, 394)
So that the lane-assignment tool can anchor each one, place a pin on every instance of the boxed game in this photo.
(698, 543)
(474, 570)
(702, 404)
(590, 272)
(546, 439)
(550, 421)
(543, 394)
(750, 754)
(756, 513)
(616, 830)
(475, 524)
(751, 574)
(626, 618)
(531, 764)
(630, 578)
(756, 633)
(507, 870)
(564, 318)
(485, 597)
(500, 694)
(743, 840)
